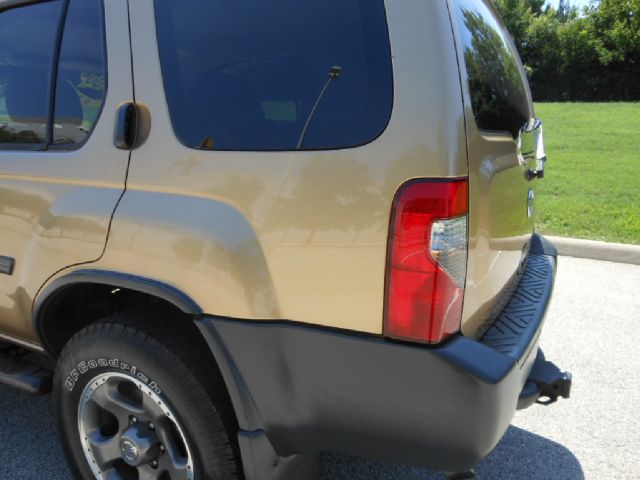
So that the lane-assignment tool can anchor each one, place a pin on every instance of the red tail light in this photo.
(426, 260)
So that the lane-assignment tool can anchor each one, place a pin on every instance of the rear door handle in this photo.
(126, 130)
(533, 148)
(6, 265)
(541, 153)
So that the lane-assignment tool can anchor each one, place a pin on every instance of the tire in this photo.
(140, 372)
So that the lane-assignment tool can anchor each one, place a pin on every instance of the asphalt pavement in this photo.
(592, 330)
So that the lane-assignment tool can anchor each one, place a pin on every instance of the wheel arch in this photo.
(94, 284)
(72, 292)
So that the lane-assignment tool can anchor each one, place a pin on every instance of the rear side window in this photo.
(498, 89)
(27, 46)
(276, 75)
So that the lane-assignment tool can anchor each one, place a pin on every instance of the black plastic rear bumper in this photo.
(308, 390)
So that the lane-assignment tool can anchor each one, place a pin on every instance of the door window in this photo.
(28, 62)
(80, 89)
(257, 75)
(27, 38)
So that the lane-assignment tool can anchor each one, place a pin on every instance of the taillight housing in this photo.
(426, 260)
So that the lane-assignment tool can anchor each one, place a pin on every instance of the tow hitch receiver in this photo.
(545, 384)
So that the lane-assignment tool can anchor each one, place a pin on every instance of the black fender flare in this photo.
(162, 290)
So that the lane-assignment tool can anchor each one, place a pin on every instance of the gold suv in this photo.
(234, 234)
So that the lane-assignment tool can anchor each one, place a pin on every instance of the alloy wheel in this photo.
(128, 432)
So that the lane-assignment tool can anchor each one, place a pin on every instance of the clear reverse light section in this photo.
(449, 247)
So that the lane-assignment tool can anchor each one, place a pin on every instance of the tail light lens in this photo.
(427, 260)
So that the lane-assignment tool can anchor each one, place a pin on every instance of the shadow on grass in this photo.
(520, 454)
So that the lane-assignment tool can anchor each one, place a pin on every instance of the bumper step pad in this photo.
(512, 331)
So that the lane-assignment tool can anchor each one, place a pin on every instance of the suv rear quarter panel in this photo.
(288, 235)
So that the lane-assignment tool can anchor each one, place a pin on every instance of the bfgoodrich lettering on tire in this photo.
(136, 402)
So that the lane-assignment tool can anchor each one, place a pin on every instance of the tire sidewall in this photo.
(83, 361)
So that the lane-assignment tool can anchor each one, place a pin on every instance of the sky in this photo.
(579, 3)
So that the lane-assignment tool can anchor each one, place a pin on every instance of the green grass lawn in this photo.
(591, 187)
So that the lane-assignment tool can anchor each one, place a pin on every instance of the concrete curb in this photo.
(611, 252)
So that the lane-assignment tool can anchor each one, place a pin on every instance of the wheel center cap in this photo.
(130, 452)
(138, 445)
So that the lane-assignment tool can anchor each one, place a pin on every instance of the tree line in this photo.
(581, 54)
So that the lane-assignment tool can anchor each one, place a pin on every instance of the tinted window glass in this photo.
(27, 40)
(80, 87)
(498, 91)
(246, 74)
